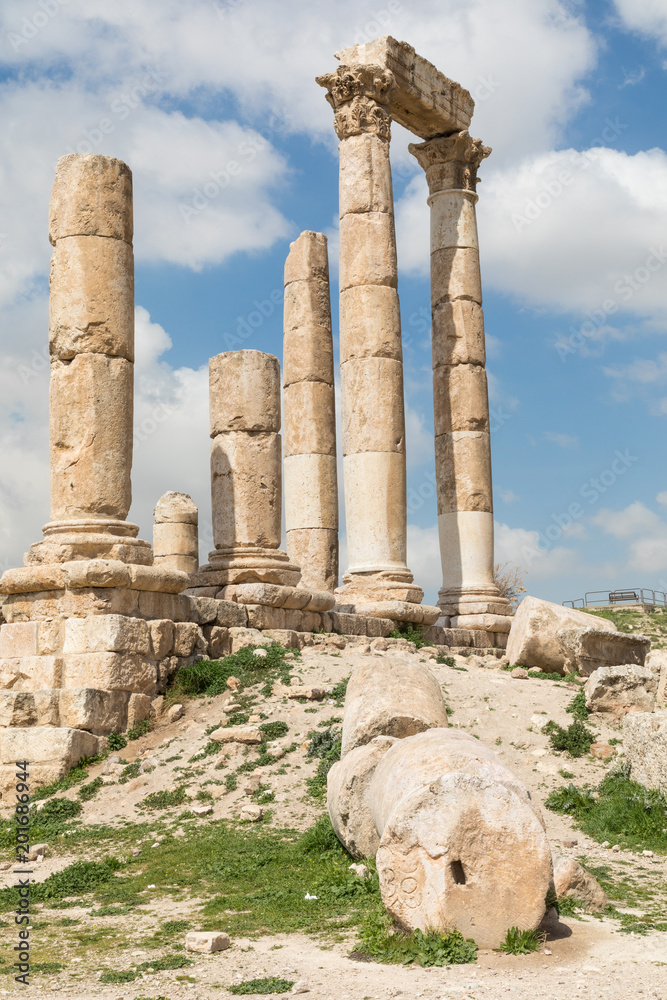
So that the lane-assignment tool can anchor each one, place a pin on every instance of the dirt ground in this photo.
(587, 957)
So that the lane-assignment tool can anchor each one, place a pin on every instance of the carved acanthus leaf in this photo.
(357, 95)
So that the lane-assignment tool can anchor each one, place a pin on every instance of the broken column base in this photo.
(397, 611)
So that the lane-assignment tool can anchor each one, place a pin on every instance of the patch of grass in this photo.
(116, 741)
(209, 750)
(237, 719)
(204, 796)
(46, 823)
(272, 984)
(79, 878)
(118, 977)
(90, 790)
(141, 729)
(231, 783)
(565, 773)
(73, 777)
(129, 772)
(325, 745)
(577, 706)
(543, 675)
(619, 810)
(448, 661)
(209, 677)
(274, 730)
(576, 740)
(413, 633)
(520, 942)
(338, 692)
(170, 962)
(379, 940)
(164, 799)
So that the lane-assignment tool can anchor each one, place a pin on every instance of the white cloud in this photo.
(562, 440)
(507, 496)
(648, 17)
(524, 548)
(424, 560)
(647, 532)
(662, 497)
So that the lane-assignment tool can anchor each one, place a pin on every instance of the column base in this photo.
(397, 611)
(374, 586)
(247, 565)
(476, 608)
(90, 538)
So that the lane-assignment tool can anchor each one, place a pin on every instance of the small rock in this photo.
(252, 813)
(36, 850)
(147, 764)
(379, 645)
(236, 734)
(647, 854)
(603, 751)
(175, 713)
(570, 843)
(233, 683)
(6, 866)
(519, 674)
(201, 810)
(571, 879)
(157, 706)
(301, 987)
(260, 653)
(232, 708)
(254, 718)
(252, 785)
(547, 951)
(616, 847)
(136, 852)
(361, 870)
(605, 844)
(207, 941)
(310, 692)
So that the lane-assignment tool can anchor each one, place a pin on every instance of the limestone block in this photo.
(207, 941)
(348, 624)
(483, 622)
(17, 708)
(463, 471)
(451, 847)
(176, 508)
(455, 274)
(390, 697)
(571, 879)
(138, 709)
(106, 634)
(308, 354)
(347, 796)
(237, 734)
(93, 709)
(308, 258)
(458, 333)
(91, 196)
(18, 639)
(460, 399)
(365, 175)
(370, 323)
(82, 573)
(645, 746)
(231, 615)
(533, 640)
(31, 673)
(370, 386)
(243, 637)
(47, 707)
(586, 649)
(161, 637)
(453, 220)
(91, 302)
(320, 601)
(61, 747)
(204, 610)
(164, 579)
(188, 638)
(91, 437)
(367, 250)
(309, 419)
(153, 604)
(271, 594)
(260, 616)
(28, 579)
(307, 302)
(219, 641)
(621, 689)
(244, 392)
(245, 486)
(315, 550)
(380, 627)
(402, 611)
(311, 493)
(50, 636)
(109, 672)
(286, 637)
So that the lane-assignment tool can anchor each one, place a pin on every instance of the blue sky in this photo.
(573, 230)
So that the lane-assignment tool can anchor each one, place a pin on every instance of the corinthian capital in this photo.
(450, 161)
(358, 94)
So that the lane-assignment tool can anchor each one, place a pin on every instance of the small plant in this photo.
(576, 740)
(129, 772)
(272, 984)
(520, 942)
(379, 940)
(209, 750)
(566, 774)
(448, 661)
(204, 796)
(209, 677)
(116, 741)
(141, 729)
(326, 746)
(509, 580)
(577, 706)
(413, 633)
(90, 790)
(274, 730)
(338, 693)
(231, 783)
(118, 977)
(165, 799)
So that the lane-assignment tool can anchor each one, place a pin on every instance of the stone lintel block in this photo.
(95, 710)
(489, 607)
(106, 634)
(460, 399)
(463, 471)
(17, 708)
(244, 392)
(307, 303)
(309, 418)
(172, 538)
(311, 492)
(308, 258)
(110, 672)
(91, 196)
(31, 673)
(501, 639)
(91, 305)
(484, 622)
(367, 250)
(458, 333)
(175, 508)
(158, 578)
(424, 100)
(161, 637)
(373, 412)
(455, 274)
(365, 175)
(31, 579)
(246, 489)
(91, 437)
(61, 747)
(308, 355)
(261, 616)
(370, 323)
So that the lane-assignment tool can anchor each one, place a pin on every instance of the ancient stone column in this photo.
(176, 532)
(370, 342)
(311, 488)
(246, 481)
(460, 396)
(91, 341)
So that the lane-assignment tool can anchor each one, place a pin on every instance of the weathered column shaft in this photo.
(370, 341)
(460, 395)
(176, 533)
(311, 490)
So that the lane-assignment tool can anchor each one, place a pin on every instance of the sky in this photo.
(214, 107)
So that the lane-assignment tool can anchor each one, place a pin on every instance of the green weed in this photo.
(379, 940)
(209, 677)
(576, 740)
(274, 730)
(90, 790)
(270, 985)
(164, 799)
(413, 633)
(577, 706)
(325, 745)
(520, 942)
(141, 729)
(338, 693)
(116, 742)
(448, 661)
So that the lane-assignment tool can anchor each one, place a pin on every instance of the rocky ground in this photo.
(161, 848)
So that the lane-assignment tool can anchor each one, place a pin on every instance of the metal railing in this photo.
(617, 598)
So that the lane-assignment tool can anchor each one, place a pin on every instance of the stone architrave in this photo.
(469, 595)
(176, 532)
(370, 345)
(246, 480)
(309, 465)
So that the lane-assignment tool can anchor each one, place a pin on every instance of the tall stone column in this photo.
(460, 397)
(370, 343)
(91, 342)
(246, 481)
(311, 490)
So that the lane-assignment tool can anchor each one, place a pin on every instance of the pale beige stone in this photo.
(176, 546)
(17, 708)
(94, 710)
(176, 508)
(106, 633)
(455, 274)
(18, 639)
(397, 611)
(367, 250)
(311, 495)
(83, 573)
(207, 941)
(645, 748)
(370, 323)
(587, 649)
(460, 399)
(453, 220)
(369, 386)
(376, 539)
(162, 637)
(533, 639)
(244, 392)
(91, 305)
(309, 419)
(91, 196)
(485, 622)
(237, 734)
(31, 673)
(109, 672)
(308, 258)
(188, 638)
(243, 637)
(219, 641)
(61, 747)
(138, 709)
(365, 175)
(161, 578)
(29, 579)
(310, 692)
(245, 488)
(91, 437)
(620, 689)
(315, 550)
(308, 354)
(571, 879)
(458, 333)
(348, 782)
(463, 471)
(393, 697)
(261, 616)
(307, 303)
